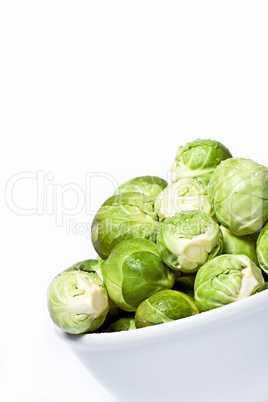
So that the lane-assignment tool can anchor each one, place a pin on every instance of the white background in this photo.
(110, 87)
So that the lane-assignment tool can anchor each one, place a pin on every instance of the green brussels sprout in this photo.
(185, 194)
(122, 324)
(226, 279)
(233, 244)
(134, 271)
(97, 266)
(198, 158)
(188, 239)
(238, 193)
(123, 217)
(262, 248)
(150, 186)
(164, 306)
(77, 301)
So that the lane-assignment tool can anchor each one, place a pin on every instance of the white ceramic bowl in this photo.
(217, 356)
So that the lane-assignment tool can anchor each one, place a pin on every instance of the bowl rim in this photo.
(199, 322)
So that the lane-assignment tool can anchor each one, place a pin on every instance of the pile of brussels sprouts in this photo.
(166, 252)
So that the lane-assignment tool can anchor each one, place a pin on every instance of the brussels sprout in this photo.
(77, 301)
(226, 279)
(122, 217)
(238, 193)
(150, 186)
(97, 266)
(233, 244)
(198, 158)
(188, 239)
(122, 324)
(134, 271)
(164, 306)
(262, 248)
(185, 194)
